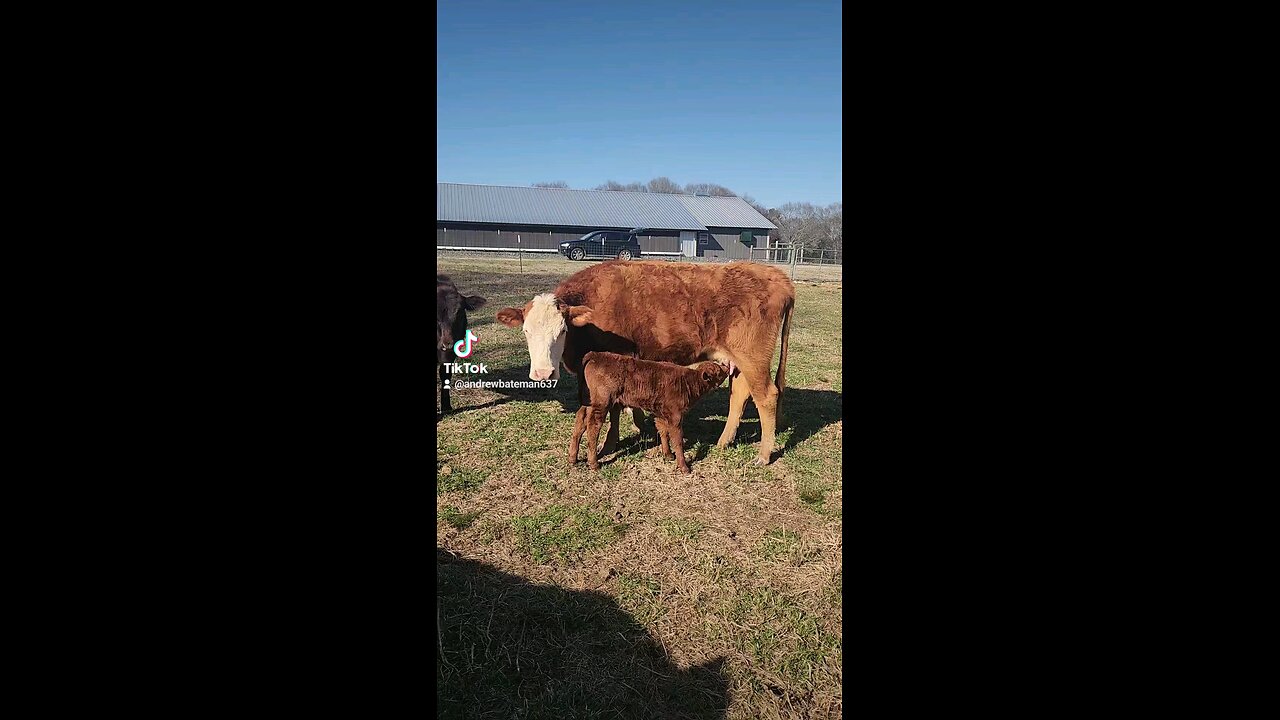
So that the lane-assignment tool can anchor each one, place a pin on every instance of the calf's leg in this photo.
(595, 417)
(662, 438)
(611, 439)
(677, 444)
(579, 427)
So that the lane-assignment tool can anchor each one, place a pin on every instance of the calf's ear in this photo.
(474, 302)
(579, 315)
(709, 373)
(511, 317)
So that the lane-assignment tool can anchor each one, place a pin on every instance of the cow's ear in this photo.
(474, 302)
(511, 317)
(579, 315)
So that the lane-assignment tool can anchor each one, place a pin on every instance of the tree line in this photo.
(817, 226)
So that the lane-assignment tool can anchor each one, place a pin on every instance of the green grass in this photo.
(563, 532)
(680, 529)
(777, 543)
(457, 519)
(457, 480)
(782, 636)
(642, 596)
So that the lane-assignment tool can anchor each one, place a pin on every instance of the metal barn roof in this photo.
(730, 212)
(590, 208)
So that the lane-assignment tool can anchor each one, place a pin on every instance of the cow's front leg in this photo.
(579, 427)
(645, 427)
(611, 440)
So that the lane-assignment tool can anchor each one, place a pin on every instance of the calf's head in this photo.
(545, 321)
(713, 373)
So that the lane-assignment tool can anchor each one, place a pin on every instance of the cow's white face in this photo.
(545, 331)
(545, 322)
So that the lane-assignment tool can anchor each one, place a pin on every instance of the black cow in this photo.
(451, 326)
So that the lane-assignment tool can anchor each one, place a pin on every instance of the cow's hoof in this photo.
(595, 468)
(685, 470)
(606, 449)
(760, 461)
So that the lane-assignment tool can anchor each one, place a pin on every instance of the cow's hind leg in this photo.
(739, 391)
(579, 427)
(766, 400)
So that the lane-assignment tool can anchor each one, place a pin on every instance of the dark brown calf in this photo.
(665, 389)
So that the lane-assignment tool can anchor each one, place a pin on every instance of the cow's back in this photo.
(674, 311)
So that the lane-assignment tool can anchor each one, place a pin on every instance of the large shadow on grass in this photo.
(509, 649)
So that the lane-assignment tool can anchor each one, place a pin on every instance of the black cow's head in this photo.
(451, 315)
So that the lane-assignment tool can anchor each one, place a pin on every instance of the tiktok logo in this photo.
(458, 347)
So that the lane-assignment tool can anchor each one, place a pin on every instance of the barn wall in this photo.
(534, 237)
(726, 244)
(660, 243)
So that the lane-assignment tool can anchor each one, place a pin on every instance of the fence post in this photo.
(520, 250)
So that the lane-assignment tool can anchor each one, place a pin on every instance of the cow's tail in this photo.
(781, 380)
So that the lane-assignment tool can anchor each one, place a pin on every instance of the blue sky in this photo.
(744, 94)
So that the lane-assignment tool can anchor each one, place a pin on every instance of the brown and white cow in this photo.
(672, 312)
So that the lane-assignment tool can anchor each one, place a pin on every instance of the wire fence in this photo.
(799, 262)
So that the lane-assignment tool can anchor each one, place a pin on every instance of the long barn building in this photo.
(499, 217)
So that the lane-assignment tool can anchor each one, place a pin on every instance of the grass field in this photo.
(637, 591)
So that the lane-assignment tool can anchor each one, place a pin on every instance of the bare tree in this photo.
(817, 227)
(629, 187)
(556, 184)
(664, 185)
(711, 189)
